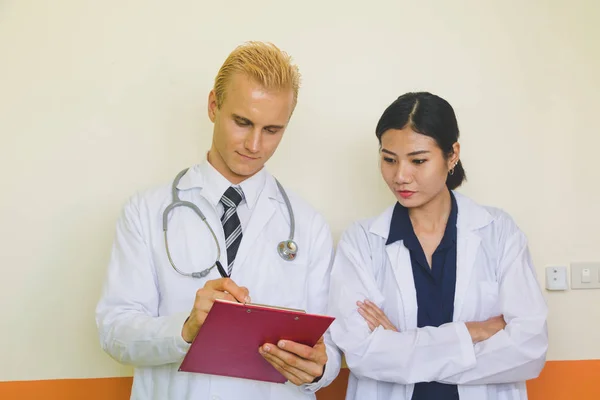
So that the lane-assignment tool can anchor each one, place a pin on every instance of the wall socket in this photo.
(585, 275)
(556, 278)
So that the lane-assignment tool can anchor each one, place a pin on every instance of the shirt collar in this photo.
(253, 186)
(401, 226)
(215, 185)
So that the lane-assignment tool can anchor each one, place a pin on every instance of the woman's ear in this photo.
(454, 156)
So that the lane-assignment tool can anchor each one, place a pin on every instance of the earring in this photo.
(451, 172)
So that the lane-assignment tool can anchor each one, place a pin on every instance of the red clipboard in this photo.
(228, 341)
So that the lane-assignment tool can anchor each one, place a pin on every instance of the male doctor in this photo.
(151, 309)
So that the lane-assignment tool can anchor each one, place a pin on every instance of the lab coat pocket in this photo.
(289, 289)
(489, 304)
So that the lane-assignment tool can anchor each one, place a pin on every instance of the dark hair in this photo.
(429, 115)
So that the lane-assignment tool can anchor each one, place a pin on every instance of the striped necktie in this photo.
(231, 224)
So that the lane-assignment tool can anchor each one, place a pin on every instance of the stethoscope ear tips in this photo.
(287, 250)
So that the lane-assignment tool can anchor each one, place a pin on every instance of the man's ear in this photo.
(212, 106)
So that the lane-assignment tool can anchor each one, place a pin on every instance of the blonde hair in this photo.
(263, 62)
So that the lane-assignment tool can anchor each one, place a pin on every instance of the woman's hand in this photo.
(481, 331)
(374, 316)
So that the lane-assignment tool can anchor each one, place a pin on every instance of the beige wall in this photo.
(102, 98)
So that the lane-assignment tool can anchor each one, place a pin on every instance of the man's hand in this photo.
(481, 331)
(300, 364)
(374, 316)
(224, 289)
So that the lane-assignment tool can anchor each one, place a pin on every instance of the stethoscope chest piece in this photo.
(287, 250)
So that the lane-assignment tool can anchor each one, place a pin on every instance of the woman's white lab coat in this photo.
(145, 302)
(495, 275)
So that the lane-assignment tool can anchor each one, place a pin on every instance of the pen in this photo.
(221, 270)
(223, 273)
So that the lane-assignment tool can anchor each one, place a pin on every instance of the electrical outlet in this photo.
(556, 278)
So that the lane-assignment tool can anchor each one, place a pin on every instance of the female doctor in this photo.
(437, 297)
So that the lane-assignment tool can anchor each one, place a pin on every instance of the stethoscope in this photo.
(287, 249)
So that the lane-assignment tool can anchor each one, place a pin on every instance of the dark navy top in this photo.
(435, 286)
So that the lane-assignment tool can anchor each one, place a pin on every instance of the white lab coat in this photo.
(495, 276)
(145, 302)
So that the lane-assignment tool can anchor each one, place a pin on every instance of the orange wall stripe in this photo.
(567, 380)
(67, 389)
(560, 380)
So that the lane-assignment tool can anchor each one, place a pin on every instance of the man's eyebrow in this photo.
(243, 119)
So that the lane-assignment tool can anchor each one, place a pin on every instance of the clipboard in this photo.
(228, 341)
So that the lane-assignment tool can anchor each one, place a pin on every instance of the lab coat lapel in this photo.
(399, 257)
(195, 178)
(466, 253)
(471, 217)
(265, 208)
